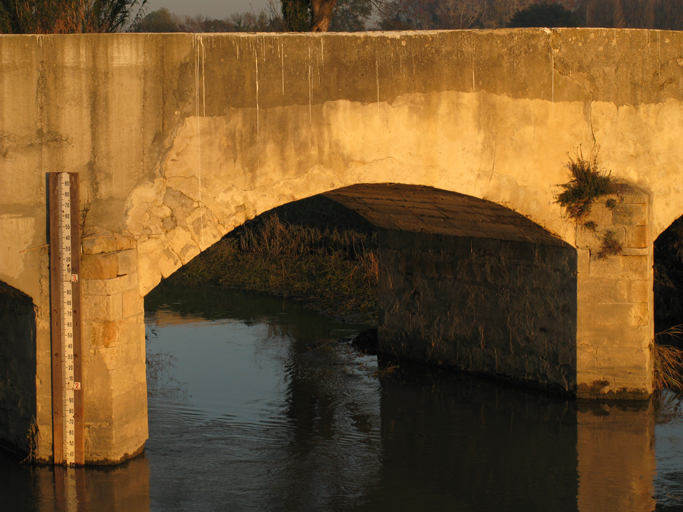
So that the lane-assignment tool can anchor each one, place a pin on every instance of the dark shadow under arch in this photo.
(668, 277)
(17, 370)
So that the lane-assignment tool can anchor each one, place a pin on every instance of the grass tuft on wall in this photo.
(587, 183)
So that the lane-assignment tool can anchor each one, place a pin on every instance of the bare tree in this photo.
(627, 13)
(459, 14)
(351, 15)
(68, 16)
(669, 14)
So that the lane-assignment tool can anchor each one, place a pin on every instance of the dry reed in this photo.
(336, 271)
(668, 360)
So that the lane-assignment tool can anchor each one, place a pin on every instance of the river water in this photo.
(255, 405)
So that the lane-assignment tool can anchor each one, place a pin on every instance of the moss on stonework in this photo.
(610, 245)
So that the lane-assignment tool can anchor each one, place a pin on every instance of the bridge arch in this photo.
(479, 282)
(221, 170)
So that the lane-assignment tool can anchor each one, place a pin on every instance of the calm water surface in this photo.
(256, 406)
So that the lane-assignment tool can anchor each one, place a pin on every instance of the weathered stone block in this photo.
(640, 290)
(95, 244)
(603, 290)
(182, 243)
(586, 355)
(204, 227)
(630, 214)
(180, 204)
(609, 267)
(620, 362)
(103, 307)
(101, 240)
(99, 266)
(636, 267)
(598, 335)
(104, 334)
(133, 303)
(99, 442)
(127, 262)
(132, 337)
(587, 239)
(123, 243)
(118, 285)
(640, 314)
(607, 314)
(636, 237)
(600, 214)
(583, 261)
(97, 389)
(633, 197)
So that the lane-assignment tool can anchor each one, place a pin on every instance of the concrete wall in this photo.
(495, 307)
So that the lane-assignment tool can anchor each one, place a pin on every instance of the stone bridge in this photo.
(454, 142)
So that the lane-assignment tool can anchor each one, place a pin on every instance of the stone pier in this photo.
(113, 338)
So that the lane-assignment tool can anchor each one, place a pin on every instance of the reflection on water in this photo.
(254, 405)
(48, 489)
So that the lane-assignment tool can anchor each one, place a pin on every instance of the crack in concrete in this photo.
(581, 84)
(370, 162)
(303, 176)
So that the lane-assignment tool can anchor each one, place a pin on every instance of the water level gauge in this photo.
(65, 299)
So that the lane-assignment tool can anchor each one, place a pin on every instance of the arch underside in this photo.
(469, 284)
(422, 209)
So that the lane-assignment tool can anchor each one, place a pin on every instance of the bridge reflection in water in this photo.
(528, 452)
(415, 439)
(511, 450)
(57, 489)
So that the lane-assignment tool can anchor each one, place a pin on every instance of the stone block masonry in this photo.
(114, 377)
(615, 322)
(575, 320)
(501, 308)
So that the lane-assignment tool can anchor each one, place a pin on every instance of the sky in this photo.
(212, 8)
